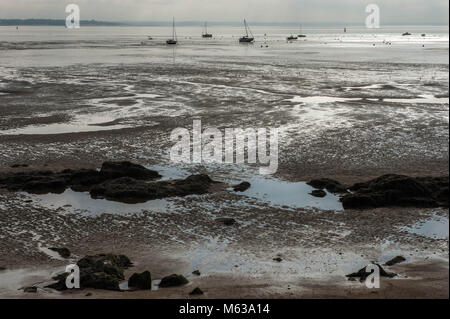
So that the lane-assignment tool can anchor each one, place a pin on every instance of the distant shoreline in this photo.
(51, 22)
(61, 22)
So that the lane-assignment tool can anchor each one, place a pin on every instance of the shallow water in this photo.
(297, 195)
(11, 281)
(169, 172)
(62, 128)
(427, 99)
(124, 285)
(266, 190)
(216, 255)
(82, 202)
(317, 100)
(52, 254)
(435, 227)
(75, 202)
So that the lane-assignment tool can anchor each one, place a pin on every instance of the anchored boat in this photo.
(301, 35)
(248, 38)
(205, 33)
(174, 39)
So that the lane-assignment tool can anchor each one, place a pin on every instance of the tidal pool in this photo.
(436, 227)
(292, 194)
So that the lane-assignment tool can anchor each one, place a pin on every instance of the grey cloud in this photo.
(307, 11)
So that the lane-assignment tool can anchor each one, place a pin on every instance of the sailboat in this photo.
(247, 38)
(205, 33)
(174, 35)
(301, 35)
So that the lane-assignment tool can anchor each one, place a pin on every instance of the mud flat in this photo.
(372, 128)
(232, 242)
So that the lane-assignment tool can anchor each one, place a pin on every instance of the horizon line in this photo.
(199, 22)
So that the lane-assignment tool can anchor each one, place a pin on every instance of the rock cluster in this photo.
(116, 181)
(130, 190)
(104, 271)
(362, 274)
(390, 190)
(399, 190)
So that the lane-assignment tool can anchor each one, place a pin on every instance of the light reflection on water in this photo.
(266, 190)
(436, 227)
(282, 193)
(71, 201)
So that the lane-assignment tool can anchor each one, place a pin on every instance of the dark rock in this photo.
(63, 252)
(113, 170)
(141, 281)
(196, 272)
(439, 187)
(37, 182)
(395, 260)
(125, 189)
(122, 182)
(32, 289)
(362, 274)
(82, 180)
(2, 268)
(173, 281)
(242, 187)
(129, 190)
(43, 182)
(197, 291)
(100, 280)
(226, 221)
(398, 190)
(104, 271)
(330, 185)
(358, 201)
(278, 259)
(60, 282)
(102, 261)
(318, 193)
(193, 185)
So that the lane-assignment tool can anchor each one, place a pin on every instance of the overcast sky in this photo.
(306, 11)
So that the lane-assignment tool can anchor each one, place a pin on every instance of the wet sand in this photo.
(351, 118)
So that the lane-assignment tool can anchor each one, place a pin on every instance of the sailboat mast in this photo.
(246, 28)
(174, 30)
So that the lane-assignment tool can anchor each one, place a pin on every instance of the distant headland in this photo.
(53, 22)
